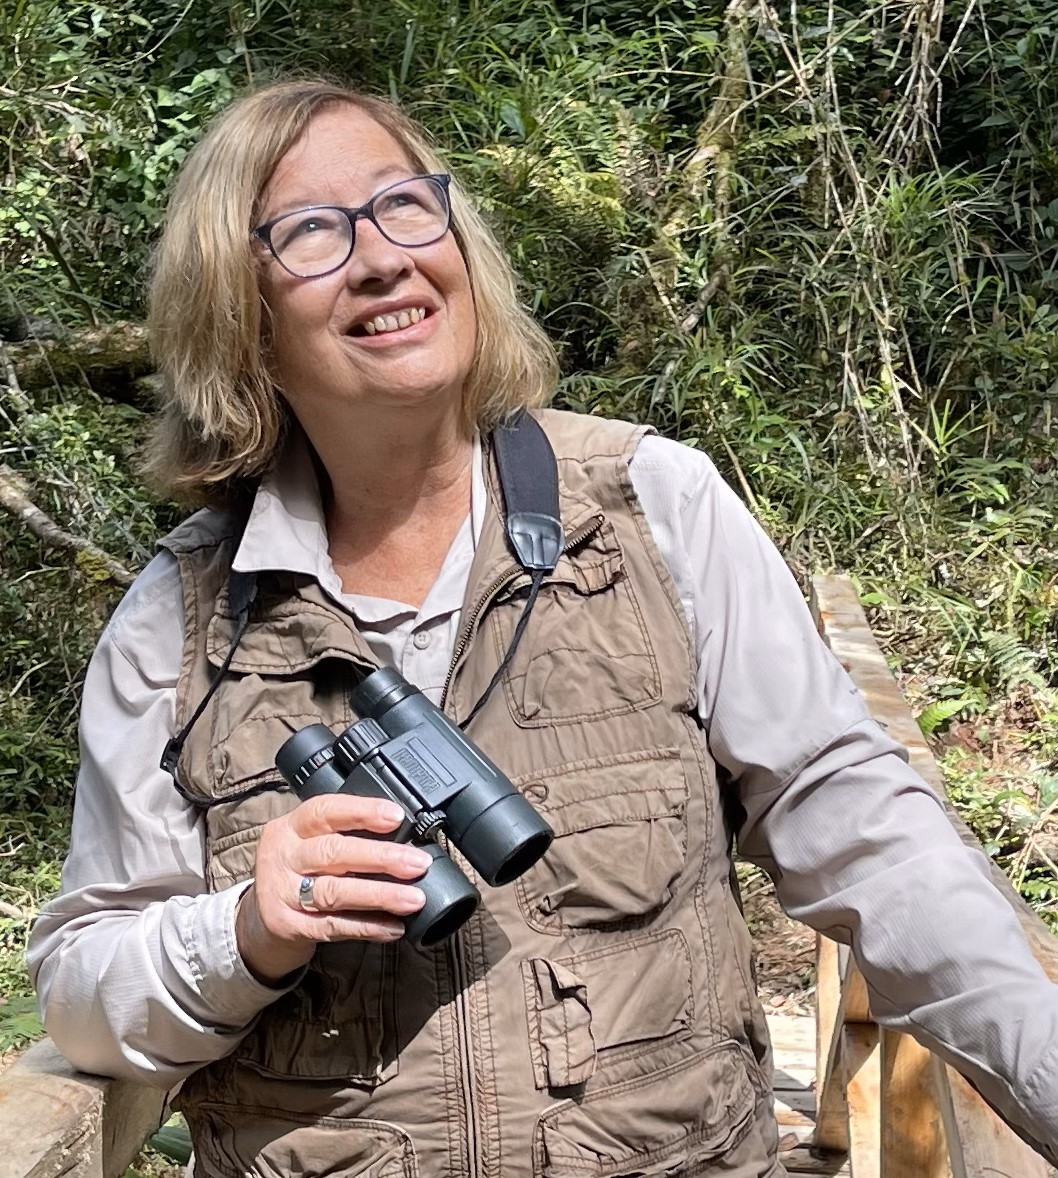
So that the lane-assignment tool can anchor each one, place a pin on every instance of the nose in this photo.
(375, 259)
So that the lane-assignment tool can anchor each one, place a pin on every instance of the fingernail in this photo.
(392, 811)
(413, 900)
(416, 859)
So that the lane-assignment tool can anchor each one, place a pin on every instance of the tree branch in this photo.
(15, 500)
(115, 355)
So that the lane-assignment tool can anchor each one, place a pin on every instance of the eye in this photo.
(394, 202)
(310, 223)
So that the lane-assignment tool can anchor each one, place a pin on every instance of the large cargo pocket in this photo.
(620, 842)
(675, 1119)
(589, 1011)
(268, 1143)
(339, 1024)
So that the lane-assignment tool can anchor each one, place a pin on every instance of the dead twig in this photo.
(14, 499)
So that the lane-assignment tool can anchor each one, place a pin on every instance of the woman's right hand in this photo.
(274, 934)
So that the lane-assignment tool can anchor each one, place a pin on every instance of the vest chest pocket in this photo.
(620, 841)
(586, 653)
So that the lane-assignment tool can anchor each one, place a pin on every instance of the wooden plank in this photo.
(832, 1118)
(856, 1006)
(913, 1140)
(844, 626)
(828, 997)
(796, 1107)
(864, 1068)
(979, 1143)
(792, 1034)
(56, 1122)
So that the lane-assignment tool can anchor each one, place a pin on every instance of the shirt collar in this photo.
(287, 532)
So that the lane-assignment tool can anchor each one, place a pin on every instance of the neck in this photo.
(392, 465)
(396, 489)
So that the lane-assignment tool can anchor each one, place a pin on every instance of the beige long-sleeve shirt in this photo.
(136, 963)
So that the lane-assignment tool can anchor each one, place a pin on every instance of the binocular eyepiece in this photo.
(406, 750)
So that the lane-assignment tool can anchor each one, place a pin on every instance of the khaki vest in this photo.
(596, 1017)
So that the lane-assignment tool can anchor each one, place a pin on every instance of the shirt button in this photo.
(421, 639)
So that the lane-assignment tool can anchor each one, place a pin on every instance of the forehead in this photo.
(342, 157)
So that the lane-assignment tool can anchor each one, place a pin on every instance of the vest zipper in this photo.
(455, 944)
(579, 536)
(466, 1072)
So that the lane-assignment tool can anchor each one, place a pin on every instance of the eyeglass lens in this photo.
(314, 241)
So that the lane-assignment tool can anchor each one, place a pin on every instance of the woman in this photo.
(339, 334)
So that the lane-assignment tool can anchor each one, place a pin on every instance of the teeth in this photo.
(384, 323)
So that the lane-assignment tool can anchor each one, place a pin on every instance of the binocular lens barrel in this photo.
(488, 820)
(405, 749)
(306, 762)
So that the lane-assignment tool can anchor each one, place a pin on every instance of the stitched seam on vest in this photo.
(226, 842)
(484, 1062)
(661, 569)
(638, 756)
(449, 1065)
(292, 668)
(701, 889)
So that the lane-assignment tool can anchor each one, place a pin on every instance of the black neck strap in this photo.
(528, 473)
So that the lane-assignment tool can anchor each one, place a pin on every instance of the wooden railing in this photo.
(898, 1111)
(56, 1122)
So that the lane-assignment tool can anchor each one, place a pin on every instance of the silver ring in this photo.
(305, 893)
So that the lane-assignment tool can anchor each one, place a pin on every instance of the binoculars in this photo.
(406, 750)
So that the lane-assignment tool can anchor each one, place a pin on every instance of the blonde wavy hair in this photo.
(223, 418)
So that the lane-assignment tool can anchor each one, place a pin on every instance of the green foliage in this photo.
(28, 848)
(817, 242)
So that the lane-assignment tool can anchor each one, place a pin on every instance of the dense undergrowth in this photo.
(818, 242)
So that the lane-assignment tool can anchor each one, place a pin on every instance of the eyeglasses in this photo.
(310, 243)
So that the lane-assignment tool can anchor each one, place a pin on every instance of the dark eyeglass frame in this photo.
(263, 233)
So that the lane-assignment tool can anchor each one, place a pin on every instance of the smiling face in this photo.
(395, 326)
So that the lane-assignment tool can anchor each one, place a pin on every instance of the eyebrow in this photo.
(380, 179)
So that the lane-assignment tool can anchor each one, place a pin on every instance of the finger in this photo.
(343, 854)
(356, 926)
(337, 894)
(334, 813)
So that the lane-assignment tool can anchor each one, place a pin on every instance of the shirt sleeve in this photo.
(857, 843)
(135, 962)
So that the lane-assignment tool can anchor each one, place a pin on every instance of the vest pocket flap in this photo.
(285, 639)
(620, 839)
(595, 561)
(561, 1042)
(269, 1143)
(596, 1008)
(664, 1123)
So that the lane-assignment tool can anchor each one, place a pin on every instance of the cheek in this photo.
(294, 314)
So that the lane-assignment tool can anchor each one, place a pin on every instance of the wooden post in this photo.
(864, 1062)
(912, 1131)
